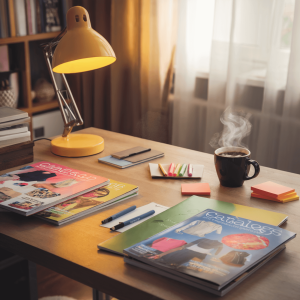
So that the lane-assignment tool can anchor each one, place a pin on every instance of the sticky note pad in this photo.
(272, 189)
(199, 189)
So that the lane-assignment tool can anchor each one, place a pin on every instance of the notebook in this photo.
(131, 160)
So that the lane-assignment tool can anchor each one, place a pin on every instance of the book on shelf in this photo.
(13, 129)
(13, 126)
(183, 211)
(80, 206)
(44, 184)
(17, 138)
(4, 19)
(210, 250)
(20, 17)
(8, 114)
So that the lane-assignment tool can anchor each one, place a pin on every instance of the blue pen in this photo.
(119, 214)
(143, 216)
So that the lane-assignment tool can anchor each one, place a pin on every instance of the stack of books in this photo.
(13, 126)
(275, 192)
(16, 147)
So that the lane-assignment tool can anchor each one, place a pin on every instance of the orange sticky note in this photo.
(272, 189)
(293, 197)
(199, 189)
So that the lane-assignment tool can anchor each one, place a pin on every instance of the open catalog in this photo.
(212, 251)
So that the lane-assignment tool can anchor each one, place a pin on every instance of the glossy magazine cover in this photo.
(78, 205)
(43, 184)
(213, 246)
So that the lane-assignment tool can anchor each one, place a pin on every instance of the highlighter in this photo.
(171, 169)
(190, 170)
(177, 169)
(182, 170)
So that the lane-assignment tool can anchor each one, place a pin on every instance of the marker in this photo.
(190, 170)
(163, 170)
(182, 170)
(119, 214)
(133, 220)
(177, 170)
(171, 169)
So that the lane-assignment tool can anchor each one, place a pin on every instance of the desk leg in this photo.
(33, 291)
(97, 295)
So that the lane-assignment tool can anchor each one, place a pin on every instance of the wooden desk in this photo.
(72, 249)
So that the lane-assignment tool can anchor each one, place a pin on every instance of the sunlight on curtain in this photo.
(253, 65)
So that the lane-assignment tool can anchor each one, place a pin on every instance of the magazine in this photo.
(182, 211)
(88, 203)
(210, 249)
(40, 185)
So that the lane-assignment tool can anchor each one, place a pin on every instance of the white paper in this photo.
(137, 212)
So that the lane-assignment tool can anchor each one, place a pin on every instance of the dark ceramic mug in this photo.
(232, 171)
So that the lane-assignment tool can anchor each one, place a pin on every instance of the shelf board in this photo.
(39, 107)
(33, 37)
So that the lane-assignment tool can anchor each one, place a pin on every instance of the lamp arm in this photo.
(71, 118)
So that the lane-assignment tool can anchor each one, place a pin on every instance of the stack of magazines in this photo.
(59, 194)
(212, 251)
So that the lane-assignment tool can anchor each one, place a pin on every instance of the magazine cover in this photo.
(40, 185)
(211, 246)
(182, 211)
(76, 207)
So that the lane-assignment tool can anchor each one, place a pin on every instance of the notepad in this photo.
(199, 189)
(275, 192)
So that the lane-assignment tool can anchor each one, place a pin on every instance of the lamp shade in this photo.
(81, 48)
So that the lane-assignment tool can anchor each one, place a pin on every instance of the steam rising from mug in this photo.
(236, 127)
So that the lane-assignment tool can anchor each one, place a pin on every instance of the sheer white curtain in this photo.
(252, 51)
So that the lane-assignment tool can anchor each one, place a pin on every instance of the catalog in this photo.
(88, 203)
(210, 249)
(182, 211)
(41, 185)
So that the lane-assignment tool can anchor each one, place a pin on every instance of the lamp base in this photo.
(77, 145)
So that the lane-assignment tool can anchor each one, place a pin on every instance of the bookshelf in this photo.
(26, 63)
(21, 53)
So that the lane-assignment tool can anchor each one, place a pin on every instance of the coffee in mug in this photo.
(233, 165)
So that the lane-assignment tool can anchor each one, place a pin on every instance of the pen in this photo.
(190, 170)
(132, 154)
(133, 220)
(171, 169)
(182, 170)
(163, 170)
(177, 170)
(119, 214)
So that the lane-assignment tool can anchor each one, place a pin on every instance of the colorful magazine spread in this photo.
(210, 248)
(87, 203)
(40, 185)
(182, 211)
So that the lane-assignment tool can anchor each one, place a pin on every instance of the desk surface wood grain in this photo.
(71, 249)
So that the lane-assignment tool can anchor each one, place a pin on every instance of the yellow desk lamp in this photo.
(79, 48)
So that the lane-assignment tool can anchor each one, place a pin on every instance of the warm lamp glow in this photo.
(84, 64)
(82, 48)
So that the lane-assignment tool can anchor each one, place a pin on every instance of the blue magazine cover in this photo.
(211, 246)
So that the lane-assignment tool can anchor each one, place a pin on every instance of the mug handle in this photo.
(256, 168)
